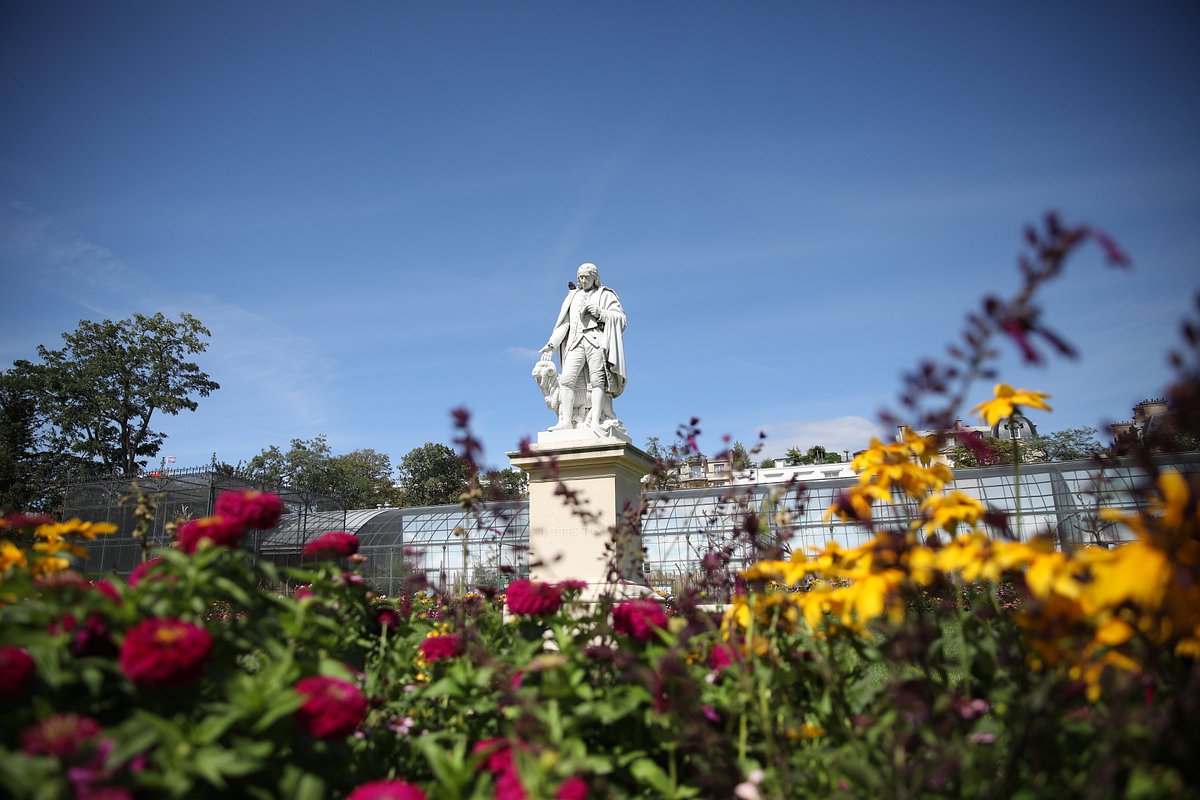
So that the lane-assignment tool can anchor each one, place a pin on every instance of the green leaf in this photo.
(654, 776)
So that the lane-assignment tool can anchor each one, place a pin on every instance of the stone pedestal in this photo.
(606, 474)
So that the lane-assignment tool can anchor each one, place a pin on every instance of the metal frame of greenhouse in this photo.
(458, 549)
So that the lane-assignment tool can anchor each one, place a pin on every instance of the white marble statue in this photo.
(589, 339)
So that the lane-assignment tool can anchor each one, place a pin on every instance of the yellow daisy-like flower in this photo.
(948, 511)
(1006, 400)
(10, 555)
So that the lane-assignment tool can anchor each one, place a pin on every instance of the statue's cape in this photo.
(614, 335)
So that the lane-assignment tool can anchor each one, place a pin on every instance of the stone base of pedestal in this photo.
(605, 475)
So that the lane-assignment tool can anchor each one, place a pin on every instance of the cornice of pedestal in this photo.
(584, 456)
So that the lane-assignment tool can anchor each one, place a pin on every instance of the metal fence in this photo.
(453, 548)
(179, 494)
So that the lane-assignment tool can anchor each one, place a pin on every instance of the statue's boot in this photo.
(596, 414)
(566, 402)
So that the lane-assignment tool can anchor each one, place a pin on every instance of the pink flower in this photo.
(332, 707)
(161, 653)
(435, 648)
(335, 544)
(528, 598)
(498, 760)
(140, 571)
(387, 790)
(16, 670)
(573, 788)
(638, 618)
(107, 589)
(220, 531)
(253, 509)
(723, 655)
(388, 617)
(59, 735)
(91, 638)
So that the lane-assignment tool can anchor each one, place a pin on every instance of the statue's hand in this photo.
(593, 309)
(546, 351)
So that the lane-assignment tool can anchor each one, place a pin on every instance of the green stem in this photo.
(1017, 485)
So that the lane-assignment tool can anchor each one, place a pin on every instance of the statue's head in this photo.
(589, 276)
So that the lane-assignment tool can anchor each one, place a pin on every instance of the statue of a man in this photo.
(589, 338)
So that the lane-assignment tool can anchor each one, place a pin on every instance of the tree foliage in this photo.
(817, 454)
(86, 409)
(431, 475)
(101, 390)
(1072, 444)
(361, 478)
(509, 483)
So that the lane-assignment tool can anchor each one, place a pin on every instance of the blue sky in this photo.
(375, 207)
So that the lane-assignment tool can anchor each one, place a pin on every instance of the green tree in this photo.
(32, 473)
(666, 477)
(361, 478)
(767, 463)
(1072, 444)
(431, 475)
(739, 459)
(101, 390)
(509, 483)
(793, 457)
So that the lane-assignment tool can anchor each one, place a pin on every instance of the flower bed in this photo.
(942, 659)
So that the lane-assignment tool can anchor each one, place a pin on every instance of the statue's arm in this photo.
(562, 327)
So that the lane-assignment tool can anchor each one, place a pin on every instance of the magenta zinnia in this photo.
(638, 618)
(387, 790)
(332, 707)
(161, 653)
(528, 598)
(447, 645)
(16, 670)
(253, 509)
(59, 735)
(222, 532)
(336, 544)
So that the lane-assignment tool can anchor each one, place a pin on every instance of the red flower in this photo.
(220, 531)
(388, 618)
(723, 655)
(528, 598)
(59, 735)
(91, 637)
(498, 760)
(21, 521)
(387, 790)
(139, 572)
(332, 707)
(107, 589)
(16, 670)
(573, 788)
(638, 618)
(435, 648)
(161, 653)
(336, 544)
(253, 509)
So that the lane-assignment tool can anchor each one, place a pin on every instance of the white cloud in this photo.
(524, 353)
(59, 260)
(840, 433)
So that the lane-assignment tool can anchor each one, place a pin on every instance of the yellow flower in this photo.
(948, 511)
(76, 527)
(810, 731)
(10, 555)
(48, 566)
(1006, 400)
(1137, 572)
